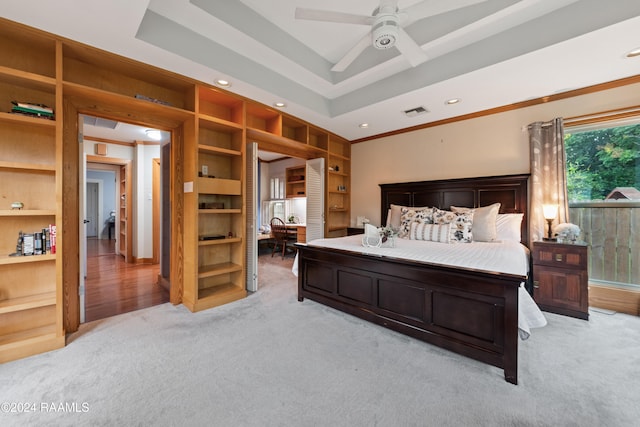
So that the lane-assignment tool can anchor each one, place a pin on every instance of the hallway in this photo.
(114, 287)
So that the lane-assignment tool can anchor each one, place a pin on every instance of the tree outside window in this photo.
(600, 160)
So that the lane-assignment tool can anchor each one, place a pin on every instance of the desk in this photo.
(299, 230)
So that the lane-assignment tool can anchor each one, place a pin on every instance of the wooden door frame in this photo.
(128, 256)
(131, 111)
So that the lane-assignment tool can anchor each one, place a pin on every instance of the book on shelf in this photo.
(41, 108)
(52, 238)
(33, 110)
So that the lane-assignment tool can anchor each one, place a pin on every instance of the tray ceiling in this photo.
(488, 54)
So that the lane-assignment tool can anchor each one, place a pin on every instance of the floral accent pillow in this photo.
(461, 224)
(409, 215)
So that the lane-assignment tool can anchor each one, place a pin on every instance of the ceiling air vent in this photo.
(100, 122)
(415, 111)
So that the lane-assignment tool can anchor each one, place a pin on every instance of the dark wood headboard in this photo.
(511, 191)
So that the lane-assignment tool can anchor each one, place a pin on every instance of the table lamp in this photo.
(549, 212)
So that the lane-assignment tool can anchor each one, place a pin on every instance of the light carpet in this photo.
(269, 360)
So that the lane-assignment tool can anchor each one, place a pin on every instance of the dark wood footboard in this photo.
(469, 312)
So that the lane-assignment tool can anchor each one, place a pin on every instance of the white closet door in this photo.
(315, 199)
(251, 237)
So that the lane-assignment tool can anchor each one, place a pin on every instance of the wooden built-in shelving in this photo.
(276, 131)
(28, 302)
(37, 157)
(30, 311)
(214, 163)
(296, 184)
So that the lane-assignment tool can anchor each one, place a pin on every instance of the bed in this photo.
(473, 310)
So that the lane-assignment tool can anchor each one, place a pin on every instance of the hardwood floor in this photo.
(114, 287)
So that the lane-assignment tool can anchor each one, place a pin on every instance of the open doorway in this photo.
(290, 189)
(275, 202)
(121, 237)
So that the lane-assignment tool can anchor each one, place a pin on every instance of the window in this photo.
(603, 186)
(601, 160)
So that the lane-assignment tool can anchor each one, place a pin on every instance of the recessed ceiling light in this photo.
(363, 125)
(633, 53)
(154, 134)
(452, 101)
(279, 104)
(223, 82)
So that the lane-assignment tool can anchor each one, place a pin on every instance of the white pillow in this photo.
(430, 232)
(508, 227)
(484, 221)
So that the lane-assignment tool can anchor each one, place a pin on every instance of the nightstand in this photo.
(560, 278)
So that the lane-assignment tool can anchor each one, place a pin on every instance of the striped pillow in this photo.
(430, 232)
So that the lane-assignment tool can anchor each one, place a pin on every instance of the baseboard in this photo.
(164, 282)
(142, 260)
(615, 299)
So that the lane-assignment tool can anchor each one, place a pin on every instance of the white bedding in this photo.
(505, 257)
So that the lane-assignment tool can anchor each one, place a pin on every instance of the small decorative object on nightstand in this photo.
(560, 278)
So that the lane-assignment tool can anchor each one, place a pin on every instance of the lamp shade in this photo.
(550, 211)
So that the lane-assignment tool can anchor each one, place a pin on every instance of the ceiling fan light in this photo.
(154, 134)
(385, 34)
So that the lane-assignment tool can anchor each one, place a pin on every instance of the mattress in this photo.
(507, 256)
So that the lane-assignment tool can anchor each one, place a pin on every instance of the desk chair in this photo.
(281, 235)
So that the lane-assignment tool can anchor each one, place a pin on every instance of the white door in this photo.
(315, 199)
(82, 226)
(252, 217)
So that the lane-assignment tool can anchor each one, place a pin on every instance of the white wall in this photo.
(485, 146)
(143, 182)
(113, 150)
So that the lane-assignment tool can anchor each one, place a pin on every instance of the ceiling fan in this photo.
(387, 26)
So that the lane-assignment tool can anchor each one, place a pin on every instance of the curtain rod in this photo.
(603, 116)
(542, 124)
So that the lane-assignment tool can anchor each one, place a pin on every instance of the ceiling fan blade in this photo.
(410, 49)
(429, 8)
(353, 53)
(329, 16)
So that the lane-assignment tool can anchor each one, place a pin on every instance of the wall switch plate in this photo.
(205, 170)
